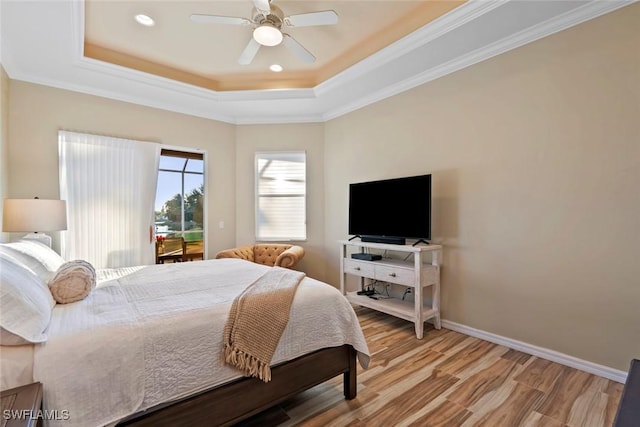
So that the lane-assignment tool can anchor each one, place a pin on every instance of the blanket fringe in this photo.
(248, 364)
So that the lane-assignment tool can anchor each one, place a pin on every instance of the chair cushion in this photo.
(267, 254)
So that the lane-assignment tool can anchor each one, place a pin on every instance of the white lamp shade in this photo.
(29, 215)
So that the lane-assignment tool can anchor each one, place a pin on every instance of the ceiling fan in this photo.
(268, 21)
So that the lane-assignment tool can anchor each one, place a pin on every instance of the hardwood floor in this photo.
(450, 379)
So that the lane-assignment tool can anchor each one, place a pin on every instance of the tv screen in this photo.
(392, 208)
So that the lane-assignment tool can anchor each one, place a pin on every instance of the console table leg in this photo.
(435, 294)
(419, 329)
(436, 321)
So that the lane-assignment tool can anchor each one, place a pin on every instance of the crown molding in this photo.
(437, 28)
(290, 119)
(569, 19)
(468, 34)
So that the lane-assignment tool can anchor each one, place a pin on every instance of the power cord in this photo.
(386, 287)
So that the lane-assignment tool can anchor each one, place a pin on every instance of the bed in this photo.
(144, 347)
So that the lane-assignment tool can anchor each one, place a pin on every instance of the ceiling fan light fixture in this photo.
(267, 35)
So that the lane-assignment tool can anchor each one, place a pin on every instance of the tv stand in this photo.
(357, 236)
(420, 241)
(414, 274)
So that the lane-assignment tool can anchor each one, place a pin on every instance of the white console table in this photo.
(412, 273)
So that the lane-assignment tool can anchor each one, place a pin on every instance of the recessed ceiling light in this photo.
(145, 20)
(276, 68)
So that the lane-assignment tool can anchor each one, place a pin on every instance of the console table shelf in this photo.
(410, 273)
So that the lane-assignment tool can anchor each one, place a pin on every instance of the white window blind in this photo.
(109, 185)
(281, 191)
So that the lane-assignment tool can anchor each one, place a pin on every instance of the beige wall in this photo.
(307, 137)
(4, 144)
(36, 113)
(535, 157)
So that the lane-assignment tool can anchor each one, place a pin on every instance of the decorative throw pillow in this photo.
(73, 281)
(38, 257)
(25, 303)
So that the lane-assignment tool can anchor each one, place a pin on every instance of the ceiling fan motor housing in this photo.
(275, 18)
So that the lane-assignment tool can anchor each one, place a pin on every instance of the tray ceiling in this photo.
(207, 54)
(377, 49)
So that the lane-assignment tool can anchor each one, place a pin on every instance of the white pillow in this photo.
(25, 301)
(40, 258)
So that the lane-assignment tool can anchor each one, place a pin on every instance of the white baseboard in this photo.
(545, 353)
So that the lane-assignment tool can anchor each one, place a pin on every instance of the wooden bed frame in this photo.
(240, 399)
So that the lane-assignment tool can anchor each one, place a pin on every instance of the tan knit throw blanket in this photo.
(257, 320)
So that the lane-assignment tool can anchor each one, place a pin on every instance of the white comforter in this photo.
(148, 335)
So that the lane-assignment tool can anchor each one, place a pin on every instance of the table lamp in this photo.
(34, 216)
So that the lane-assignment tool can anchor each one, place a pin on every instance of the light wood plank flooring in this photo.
(450, 379)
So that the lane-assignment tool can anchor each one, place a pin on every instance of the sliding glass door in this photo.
(179, 207)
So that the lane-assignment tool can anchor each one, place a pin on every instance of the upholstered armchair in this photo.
(267, 254)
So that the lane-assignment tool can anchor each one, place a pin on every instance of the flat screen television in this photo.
(391, 210)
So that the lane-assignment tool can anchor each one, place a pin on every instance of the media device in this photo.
(391, 210)
(366, 257)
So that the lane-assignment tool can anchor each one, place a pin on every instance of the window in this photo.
(179, 207)
(281, 196)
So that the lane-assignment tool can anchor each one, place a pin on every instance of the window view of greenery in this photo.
(179, 204)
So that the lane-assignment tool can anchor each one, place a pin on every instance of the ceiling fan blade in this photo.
(325, 17)
(216, 19)
(249, 52)
(298, 50)
(262, 6)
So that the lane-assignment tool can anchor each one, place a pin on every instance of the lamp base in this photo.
(40, 237)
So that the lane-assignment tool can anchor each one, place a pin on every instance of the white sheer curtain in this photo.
(109, 185)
